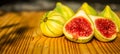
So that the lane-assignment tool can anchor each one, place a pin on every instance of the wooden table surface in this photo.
(20, 34)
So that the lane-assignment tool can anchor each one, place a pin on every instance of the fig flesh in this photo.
(105, 29)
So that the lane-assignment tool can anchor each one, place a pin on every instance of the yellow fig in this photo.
(52, 24)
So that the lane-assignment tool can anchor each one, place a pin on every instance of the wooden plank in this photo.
(20, 34)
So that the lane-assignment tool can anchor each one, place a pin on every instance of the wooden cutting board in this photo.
(20, 34)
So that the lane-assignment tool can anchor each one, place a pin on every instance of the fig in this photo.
(107, 12)
(88, 9)
(105, 29)
(52, 24)
(64, 10)
(79, 28)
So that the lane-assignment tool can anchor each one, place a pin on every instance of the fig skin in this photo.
(97, 33)
(79, 39)
(88, 9)
(64, 10)
(52, 24)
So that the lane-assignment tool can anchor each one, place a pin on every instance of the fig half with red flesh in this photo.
(79, 28)
(105, 29)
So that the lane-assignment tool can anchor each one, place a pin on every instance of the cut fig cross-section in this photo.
(79, 28)
(77, 25)
(105, 29)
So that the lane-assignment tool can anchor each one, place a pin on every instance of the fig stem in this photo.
(45, 19)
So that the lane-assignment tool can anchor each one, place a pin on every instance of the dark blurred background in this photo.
(30, 5)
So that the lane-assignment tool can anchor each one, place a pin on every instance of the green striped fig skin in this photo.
(64, 10)
(88, 9)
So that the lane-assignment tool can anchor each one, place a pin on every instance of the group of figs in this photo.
(81, 26)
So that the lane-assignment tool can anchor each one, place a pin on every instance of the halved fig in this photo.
(79, 28)
(105, 29)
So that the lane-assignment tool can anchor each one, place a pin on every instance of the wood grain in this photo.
(20, 34)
